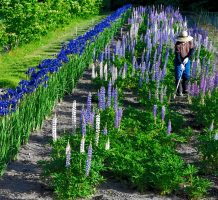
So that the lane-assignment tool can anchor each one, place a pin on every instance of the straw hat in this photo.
(184, 37)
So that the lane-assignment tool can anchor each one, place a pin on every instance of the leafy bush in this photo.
(195, 187)
(73, 182)
(206, 110)
(25, 21)
(208, 149)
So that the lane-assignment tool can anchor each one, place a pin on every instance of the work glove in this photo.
(182, 67)
(185, 61)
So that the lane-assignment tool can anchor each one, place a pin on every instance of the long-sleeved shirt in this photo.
(183, 50)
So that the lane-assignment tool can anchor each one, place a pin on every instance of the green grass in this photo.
(14, 63)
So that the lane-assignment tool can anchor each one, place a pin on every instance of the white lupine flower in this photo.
(68, 155)
(133, 71)
(105, 72)
(93, 71)
(74, 115)
(82, 145)
(54, 128)
(185, 24)
(155, 27)
(216, 136)
(101, 70)
(212, 126)
(124, 73)
(107, 145)
(114, 74)
(97, 129)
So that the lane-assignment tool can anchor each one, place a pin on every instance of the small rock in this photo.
(2, 91)
(99, 197)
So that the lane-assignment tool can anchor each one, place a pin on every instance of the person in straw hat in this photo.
(184, 49)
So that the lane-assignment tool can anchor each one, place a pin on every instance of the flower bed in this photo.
(135, 145)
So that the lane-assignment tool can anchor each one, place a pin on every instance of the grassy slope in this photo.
(14, 64)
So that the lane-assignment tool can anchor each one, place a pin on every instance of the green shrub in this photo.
(72, 182)
(195, 187)
(206, 111)
(24, 21)
(208, 149)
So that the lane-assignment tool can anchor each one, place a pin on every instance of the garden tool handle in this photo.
(178, 83)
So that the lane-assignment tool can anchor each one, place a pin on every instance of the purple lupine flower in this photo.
(192, 89)
(153, 76)
(101, 57)
(149, 94)
(163, 113)
(202, 83)
(109, 94)
(196, 89)
(194, 69)
(120, 114)
(213, 68)
(125, 67)
(89, 104)
(83, 127)
(155, 111)
(105, 130)
(216, 79)
(204, 86)
(116, 120)
(211, 83)
(82, 115)
(140, 81)
(115, 96)
(147, 57)
(169, 128)
(143, 56)
(155, 56)
(157, 94)
(92, 119)
(147, 78)
(87, 116)
(143, 68)
(89, 160)
(102, 97)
